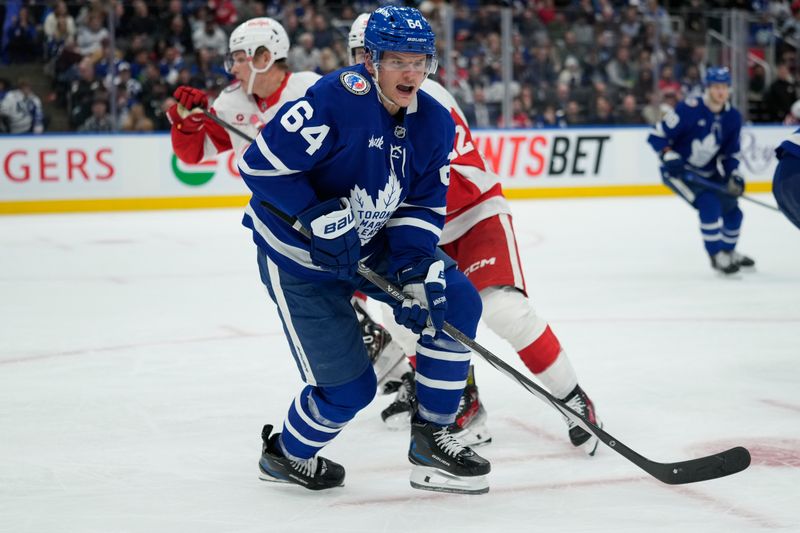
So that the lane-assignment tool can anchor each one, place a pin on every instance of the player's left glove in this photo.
(335, 244)
(424, 309)
(673, 164)
(735, 183)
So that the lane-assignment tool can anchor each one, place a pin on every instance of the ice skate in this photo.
(579, 402)
(398, 414)
(724, 262)
(316, 473)
(742, 261)
(470, 426)
(387, 357)
(442, 463)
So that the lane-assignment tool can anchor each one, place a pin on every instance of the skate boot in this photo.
(579, 402)
(723, 261)
(470, 425)
(442, 463)
(316, 473)
(742, 261)
(384, 354)
(398, 414)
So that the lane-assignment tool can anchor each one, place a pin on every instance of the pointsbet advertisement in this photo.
(51, 173)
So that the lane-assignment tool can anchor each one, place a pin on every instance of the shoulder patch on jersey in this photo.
(691, 102)
(355, 82)
(232, 87)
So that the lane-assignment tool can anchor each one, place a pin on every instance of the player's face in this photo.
(401, 74)
(239, 66)
(719, 93)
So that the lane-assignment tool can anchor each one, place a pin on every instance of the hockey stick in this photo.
(691, 177)
(701, 469)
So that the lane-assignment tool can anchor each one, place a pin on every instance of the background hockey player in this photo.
(363, 162)
(257, 58)
(786, 181)
(701, 138)
(479, 235)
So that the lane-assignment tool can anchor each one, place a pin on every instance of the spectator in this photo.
(224, 12)
(691, 84)
(303, 56)
(781, 93)
(81, 92)
(572, 114)
(59, 27)
(519, 119)
(629, 112)
(90, 37)
(323, 37)
(619, 70)
(178, 36)
(141, 22)
(667, 82)
(211, 37)
(328, 62)
(22, 38)
(99, 121)
(603, 112)
(571, 75)
(22, 109)
(137, 120)
(484, 116)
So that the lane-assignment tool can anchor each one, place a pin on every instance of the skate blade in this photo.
(398, 421)
(474, 436)
(590, 446)
(391, 356)
(433, 479)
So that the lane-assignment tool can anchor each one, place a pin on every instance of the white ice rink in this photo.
(140, 356)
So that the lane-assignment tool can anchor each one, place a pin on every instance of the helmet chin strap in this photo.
(254, 71)
(382, 96)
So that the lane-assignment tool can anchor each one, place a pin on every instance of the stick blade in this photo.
(711, 467)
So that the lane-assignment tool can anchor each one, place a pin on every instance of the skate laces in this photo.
(450, 444)
(307, 467)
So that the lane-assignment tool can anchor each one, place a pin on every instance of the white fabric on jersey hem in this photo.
(298, 255)
(414, 222)
(466, 220)
(283, 308)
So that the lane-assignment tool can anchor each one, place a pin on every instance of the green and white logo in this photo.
(193, 175)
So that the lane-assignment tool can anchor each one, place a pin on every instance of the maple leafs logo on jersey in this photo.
(703, 150)
(372, 216)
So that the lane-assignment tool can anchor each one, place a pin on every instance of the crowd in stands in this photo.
(574, 61)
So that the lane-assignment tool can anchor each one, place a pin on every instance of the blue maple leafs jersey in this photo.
(338, 141)
(791, 144)
(704, 139)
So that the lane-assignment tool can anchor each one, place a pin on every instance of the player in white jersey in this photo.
(479, 235)
(257, 54)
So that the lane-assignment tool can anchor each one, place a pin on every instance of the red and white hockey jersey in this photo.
(475, 192)
(246, 112)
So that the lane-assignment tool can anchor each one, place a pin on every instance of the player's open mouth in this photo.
(405, 89)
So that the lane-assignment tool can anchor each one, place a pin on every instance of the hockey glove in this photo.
(190, 98)
(187, 115)
(335, 245)
(673, 164)
(735, 184)
(424, 309)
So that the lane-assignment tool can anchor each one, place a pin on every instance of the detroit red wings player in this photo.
(479, 235)
(257, 54)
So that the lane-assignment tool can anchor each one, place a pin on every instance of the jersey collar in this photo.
(271, 100)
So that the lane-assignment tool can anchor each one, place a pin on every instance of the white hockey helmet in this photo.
(355, 38)
(249, 36)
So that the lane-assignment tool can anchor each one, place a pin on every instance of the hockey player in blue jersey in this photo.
(362, 161)
(786, 180)
(701, 138)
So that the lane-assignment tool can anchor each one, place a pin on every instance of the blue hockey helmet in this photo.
(399, 29)
(718, 75)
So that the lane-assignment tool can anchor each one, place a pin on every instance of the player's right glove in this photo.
(673, 164)
(187, 115)
(424, 284)
(335, 244)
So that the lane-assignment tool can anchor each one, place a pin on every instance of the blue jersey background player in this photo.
(701, 138)
(363, 162)
(786, 180)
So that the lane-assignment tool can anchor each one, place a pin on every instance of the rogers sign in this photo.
(58, 165)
